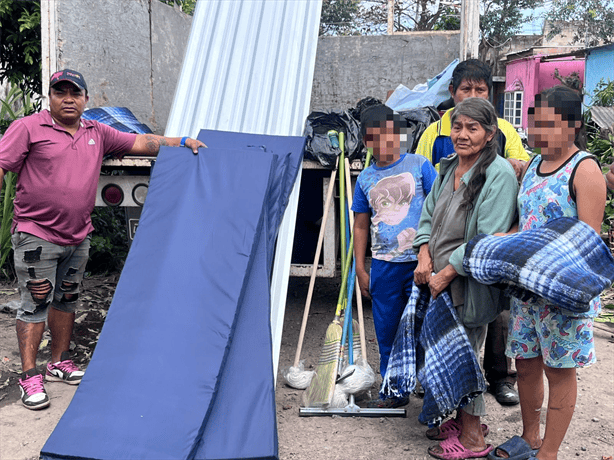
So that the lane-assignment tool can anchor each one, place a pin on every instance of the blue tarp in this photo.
(183, 365)
(431, 93)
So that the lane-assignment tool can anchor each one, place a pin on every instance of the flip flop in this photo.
(517, 449)
(454, 450)
(450, 428)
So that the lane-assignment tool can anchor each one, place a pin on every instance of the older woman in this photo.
(475, 193)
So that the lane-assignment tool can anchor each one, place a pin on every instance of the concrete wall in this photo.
(351, 68)
(130, 52)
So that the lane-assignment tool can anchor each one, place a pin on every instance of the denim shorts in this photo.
(40, 262)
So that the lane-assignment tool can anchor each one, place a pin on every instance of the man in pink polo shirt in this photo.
(58, 157)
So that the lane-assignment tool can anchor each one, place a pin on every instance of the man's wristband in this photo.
(183, 139)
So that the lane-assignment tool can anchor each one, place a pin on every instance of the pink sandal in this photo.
(448, 429)
(454, 450)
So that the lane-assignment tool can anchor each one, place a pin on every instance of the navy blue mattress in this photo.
(183, 365)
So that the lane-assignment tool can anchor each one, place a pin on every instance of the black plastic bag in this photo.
(417, 121)
(362, 105)
(321, 147)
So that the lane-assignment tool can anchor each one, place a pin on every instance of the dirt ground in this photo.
(23, 432)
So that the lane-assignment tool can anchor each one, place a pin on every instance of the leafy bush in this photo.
(16, 105)
(601, 143)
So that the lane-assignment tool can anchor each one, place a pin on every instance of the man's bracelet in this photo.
(183, 139)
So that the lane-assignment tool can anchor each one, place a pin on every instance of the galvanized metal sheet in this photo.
(248, 67)
(603, 116)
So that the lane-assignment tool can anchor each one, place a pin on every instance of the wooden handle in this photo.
(361, 323)
(316, 260)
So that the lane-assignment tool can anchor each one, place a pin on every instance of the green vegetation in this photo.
(20, 44)
(601, 143)
(593, 20)
(17, 104)
(607, 313)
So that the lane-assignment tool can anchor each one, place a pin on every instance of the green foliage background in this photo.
(17, 104)
(20, 44)
(601, 144)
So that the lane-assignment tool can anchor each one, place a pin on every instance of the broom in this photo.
(362, 376)
(322, 387)
(361, 350)
(296, 376)
(353, 378)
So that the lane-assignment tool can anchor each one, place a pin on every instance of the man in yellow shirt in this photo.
(471, 78)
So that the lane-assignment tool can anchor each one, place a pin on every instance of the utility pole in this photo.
(470, 29)
(390, 17)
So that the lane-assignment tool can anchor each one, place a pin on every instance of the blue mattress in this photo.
(183, 365)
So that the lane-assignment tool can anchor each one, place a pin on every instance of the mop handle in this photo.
(342, 196)
(352, 275)
(361, 322)
(344, 337)
(346, 260)
(316, 260)
(344, 277)
(348, 314)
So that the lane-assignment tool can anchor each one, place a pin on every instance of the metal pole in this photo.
(390, 17)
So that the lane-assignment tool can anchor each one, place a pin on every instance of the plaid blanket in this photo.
(564, 262)
(119, 118)
(432, 345)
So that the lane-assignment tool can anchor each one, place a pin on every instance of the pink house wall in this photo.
(533, 75)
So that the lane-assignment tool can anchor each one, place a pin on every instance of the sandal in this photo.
(450, 428)
(454, 450)
(516, 448)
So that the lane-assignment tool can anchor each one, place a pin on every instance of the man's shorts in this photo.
(40, 262)
(563, 341)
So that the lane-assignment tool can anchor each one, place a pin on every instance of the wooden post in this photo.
(470, 29)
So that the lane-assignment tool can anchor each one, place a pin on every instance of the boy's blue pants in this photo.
(390, 286)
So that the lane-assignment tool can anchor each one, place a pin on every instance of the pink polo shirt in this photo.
(58, 174)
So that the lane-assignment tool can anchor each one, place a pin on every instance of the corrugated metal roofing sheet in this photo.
(248, 67)
(603, 116)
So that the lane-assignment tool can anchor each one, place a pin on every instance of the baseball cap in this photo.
(69, 75)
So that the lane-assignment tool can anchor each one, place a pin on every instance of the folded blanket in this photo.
(431, 344)
(564, 262)
(119, 118)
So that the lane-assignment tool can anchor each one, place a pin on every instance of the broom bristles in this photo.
(322, 387)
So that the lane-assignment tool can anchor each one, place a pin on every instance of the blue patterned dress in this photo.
(563, 339)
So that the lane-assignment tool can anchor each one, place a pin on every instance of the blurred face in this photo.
(66, 103)
(469, 137)
(550, 133)
(469, 88)
(385, 143)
